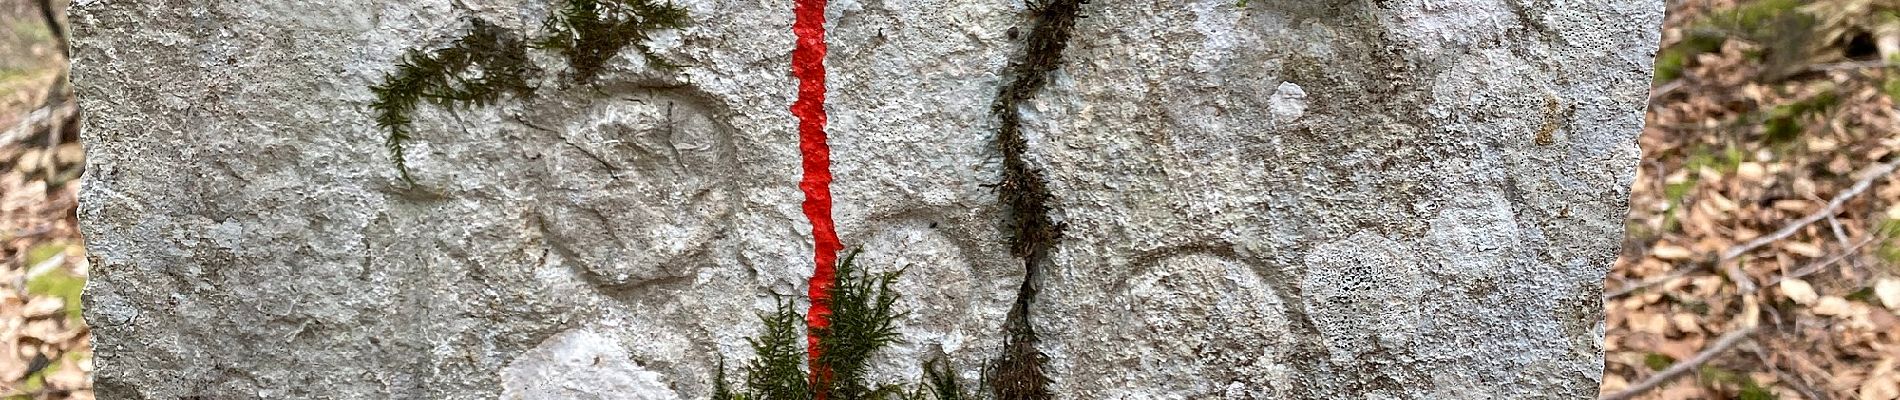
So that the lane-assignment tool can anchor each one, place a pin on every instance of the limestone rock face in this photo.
(1286, 199)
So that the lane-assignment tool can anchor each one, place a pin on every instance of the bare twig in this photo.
(53, 25)
(1659, 91)
(1672, 275)
(1840, 234)
(1664, 90)
(1794, 381)
(1850, 65)
(1735, 274)
(33, 122)
(1816, 266)
(1721, 345)
(1833, 206)
(1733, 270)
(1803, 366)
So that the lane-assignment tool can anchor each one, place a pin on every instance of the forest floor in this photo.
(45, 347)
(1762, 259)
(1765, 210)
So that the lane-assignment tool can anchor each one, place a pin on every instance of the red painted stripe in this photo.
(808, 65)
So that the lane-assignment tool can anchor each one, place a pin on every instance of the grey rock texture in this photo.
(1287, 199)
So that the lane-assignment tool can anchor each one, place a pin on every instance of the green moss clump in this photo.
(1672, 60)
(1891, 87)
(774, 372)
(478, 69)
(55, 281)
(1784, 122)
(1658, 361)
(943, 383)
(863, 322)
(1779, 24)
(1746, 387)
(1754, 18)
(1726, 161)
(1888, 250)
(590, 32)
(490, 62)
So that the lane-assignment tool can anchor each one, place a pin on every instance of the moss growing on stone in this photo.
(1018, 373)
(590, 32)
(490, 62)
(943, 384)
(774, 372)
(476, 70)
(863, 322)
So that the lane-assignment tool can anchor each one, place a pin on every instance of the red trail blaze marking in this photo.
(808, 64)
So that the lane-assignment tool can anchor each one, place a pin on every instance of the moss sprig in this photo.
(489, 62)
(476, 70)
(943, 384)
(775, 372)
(590, 32)
(863, 322)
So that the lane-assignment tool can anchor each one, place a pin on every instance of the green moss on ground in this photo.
(1778, 24)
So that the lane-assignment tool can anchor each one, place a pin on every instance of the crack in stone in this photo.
(1018, 373)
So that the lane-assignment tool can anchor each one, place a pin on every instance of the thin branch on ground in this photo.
(1840, 234)
(1645, 284)
(1851, 65)
(32, 122)
(1794, 381)
(1741, 279)
(1721, 345)
(51, 17)
(1816, 266)
(1664, 90)
(1810, 269)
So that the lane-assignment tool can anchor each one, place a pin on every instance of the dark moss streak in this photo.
(1018, 373)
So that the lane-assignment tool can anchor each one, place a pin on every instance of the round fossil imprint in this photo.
(640, 181)
(1190, 326)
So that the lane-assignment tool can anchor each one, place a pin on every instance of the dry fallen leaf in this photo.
(1797, 206)
(44, 306)
(1832, 306)
(1686, 323)
(1722, 203)
(1750, 171)
(1681, 349)
(1822, 145)
(1613, 383)
(1804, 249)
(1888, 290)
(1650, 323)
(1883, 387)
(1798, 291)
(1671, 252)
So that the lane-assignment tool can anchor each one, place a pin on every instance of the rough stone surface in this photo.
(1290, 199)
